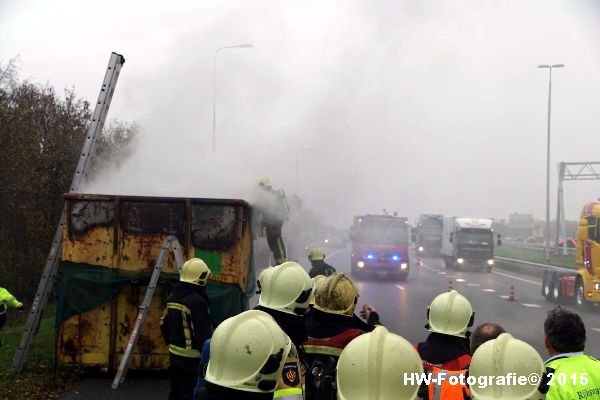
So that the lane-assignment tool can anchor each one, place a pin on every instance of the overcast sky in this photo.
(413, 106)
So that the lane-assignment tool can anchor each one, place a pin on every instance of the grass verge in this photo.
(39, 379)
(535, 256)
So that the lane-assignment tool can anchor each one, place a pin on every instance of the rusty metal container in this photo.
(120, 237)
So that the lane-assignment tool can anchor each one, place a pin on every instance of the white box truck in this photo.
(468, 243)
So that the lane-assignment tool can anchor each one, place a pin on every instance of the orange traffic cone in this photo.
(450, 286)
(511, 295)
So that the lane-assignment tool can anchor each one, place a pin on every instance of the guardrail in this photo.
(535, 246)
(534, 264)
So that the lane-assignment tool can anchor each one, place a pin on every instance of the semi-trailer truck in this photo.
(469, 243)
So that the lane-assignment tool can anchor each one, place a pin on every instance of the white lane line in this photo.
(400, 287)
(472, 284)
(441, 273)
(518, 278)
(451, 276)
(488, 290)
(596, 329)
(503, 296)
(531, 305)
(460, 280)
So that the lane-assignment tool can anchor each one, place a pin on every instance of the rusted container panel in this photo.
(125, 233)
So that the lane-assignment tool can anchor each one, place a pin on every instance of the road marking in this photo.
(400, 287)
(518, 278)
(441, 273)
(460, 280)
(488, 290)
(503, 296)
(472, 284)
(451, 276)
(596, 329)
(531, 305)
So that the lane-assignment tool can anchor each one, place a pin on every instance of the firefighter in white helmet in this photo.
(373, 367)
(185, 326)
(248, 356)
(331, 325)
(285, 294)
(507, 356)
(449, 317)
(319, 266)
(272, 211)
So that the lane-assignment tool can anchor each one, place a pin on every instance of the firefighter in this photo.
(319, 266)
(286, 291)
(7, 300)
(565, 341)
(330, 326)
(374, 366)
(185, 326)
(505, 357)
(248, 356)
(450, 315)
(273, 210)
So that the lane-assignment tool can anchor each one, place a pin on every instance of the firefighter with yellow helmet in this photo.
(273, 210)
(373, 367)
(285, 294)
(449, 316)
(318, 264)
(331, 325)
(504, 357)
(248, 356)
(185, 326)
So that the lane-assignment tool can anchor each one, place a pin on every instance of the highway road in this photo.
(403, 305)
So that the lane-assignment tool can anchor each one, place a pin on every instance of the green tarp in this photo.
(81, 287)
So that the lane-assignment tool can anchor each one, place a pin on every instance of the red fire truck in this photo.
(380, 246)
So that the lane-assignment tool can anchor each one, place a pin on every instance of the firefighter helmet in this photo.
(287, 288)
(337, 294)
(317, 281)
(372, 365)
(195, 271)
(316, 254)
(247, 353)
(264, 181)
(503, 356)
(451, 314)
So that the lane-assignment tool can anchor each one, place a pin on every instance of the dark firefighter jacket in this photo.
(292, 325)
(444, 351)
(186, 323)
(320, 267)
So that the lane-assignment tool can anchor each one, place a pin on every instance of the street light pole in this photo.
(548, 156)
(214, 122)
(297, 154)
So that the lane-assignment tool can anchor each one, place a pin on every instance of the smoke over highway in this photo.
(354, 106)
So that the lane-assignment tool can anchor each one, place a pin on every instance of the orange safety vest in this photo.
(445, 390)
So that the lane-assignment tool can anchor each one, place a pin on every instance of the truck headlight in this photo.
(404, 265)
(460, 261)
(490, 262)
(421, 249)
(597, 286)
(360, 264)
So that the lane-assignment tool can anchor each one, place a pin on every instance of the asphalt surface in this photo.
(402, 307)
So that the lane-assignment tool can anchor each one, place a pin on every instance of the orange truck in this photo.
(582, 285)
